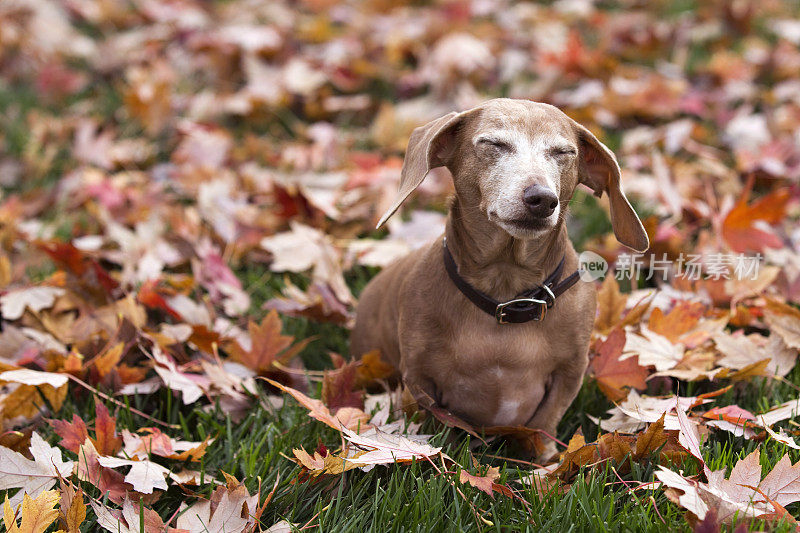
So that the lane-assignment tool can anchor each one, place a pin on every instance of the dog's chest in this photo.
(497, 376)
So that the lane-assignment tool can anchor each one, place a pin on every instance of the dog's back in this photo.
(378, 311)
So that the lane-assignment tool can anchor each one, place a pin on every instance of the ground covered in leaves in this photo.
(189, 191)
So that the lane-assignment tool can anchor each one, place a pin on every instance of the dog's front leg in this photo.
(421, 386)
(565, 382)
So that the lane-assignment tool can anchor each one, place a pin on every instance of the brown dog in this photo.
(515, 165)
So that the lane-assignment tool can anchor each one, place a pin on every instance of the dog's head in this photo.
(519, 162)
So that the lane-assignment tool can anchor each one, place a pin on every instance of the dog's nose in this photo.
(540, 200)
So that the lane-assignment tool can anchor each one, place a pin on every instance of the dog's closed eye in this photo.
(497, 144)
(563, 151)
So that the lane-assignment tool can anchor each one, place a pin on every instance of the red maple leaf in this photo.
(611, 373)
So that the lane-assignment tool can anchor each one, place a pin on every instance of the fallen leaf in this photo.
(34, 378)
(650, 440)
(305, 248)
(616, 447)
(281, 527)
(189, 385)
(577, 456)
(106, 440)
(740, 352)
(318, 303)
(384, 448)
(330, 463)
(28, 401)
(14, 303)
(110, 482)
(153, 441)
(681, 319)
(782, 437)
(36, 514)
(484, 482)
(226, 516)
(743, 494)
(73, 434)
(372, 367)
(610, 305)
(688, 436)
(145, 476)
(785, 321)
(268, 345)
(780, 412)
(653, 350)
(741, 229)
(109, 359)
(133, 518)
(32, 477)
(613, 374)
(72, 509)
(345, 418)
(338, 387)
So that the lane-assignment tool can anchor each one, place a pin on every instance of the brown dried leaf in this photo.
(650, 440)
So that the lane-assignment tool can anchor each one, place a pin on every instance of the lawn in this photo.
(188, 208)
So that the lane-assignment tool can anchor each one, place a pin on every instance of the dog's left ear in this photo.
(599, 170)
(430, 146)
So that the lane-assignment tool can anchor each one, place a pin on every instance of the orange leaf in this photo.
(741, 229)
(731, 413)
(484, 483)
(267, 344)
(108, 360)
(784, 320)
(149, 297)
(105, 428)
(204, 338)
(679, 321)
(572, 461)
(372, 367)
(350, 418)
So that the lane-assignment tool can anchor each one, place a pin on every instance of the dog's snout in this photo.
(540, 200)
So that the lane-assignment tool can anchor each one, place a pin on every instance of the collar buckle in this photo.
(521, 304)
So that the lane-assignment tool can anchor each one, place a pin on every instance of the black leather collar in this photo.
(526, 306)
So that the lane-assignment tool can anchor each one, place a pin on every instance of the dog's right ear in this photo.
(430, 146)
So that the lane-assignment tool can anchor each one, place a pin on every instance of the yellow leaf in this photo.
(5, 271)
(109, 359)
(26, 401)
(758, 368)
(76, 514)
(610, 305)
(8, 517)
(36, 515)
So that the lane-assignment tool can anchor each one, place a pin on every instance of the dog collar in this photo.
(526, 306)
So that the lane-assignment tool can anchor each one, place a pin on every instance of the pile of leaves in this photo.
(189, 195)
